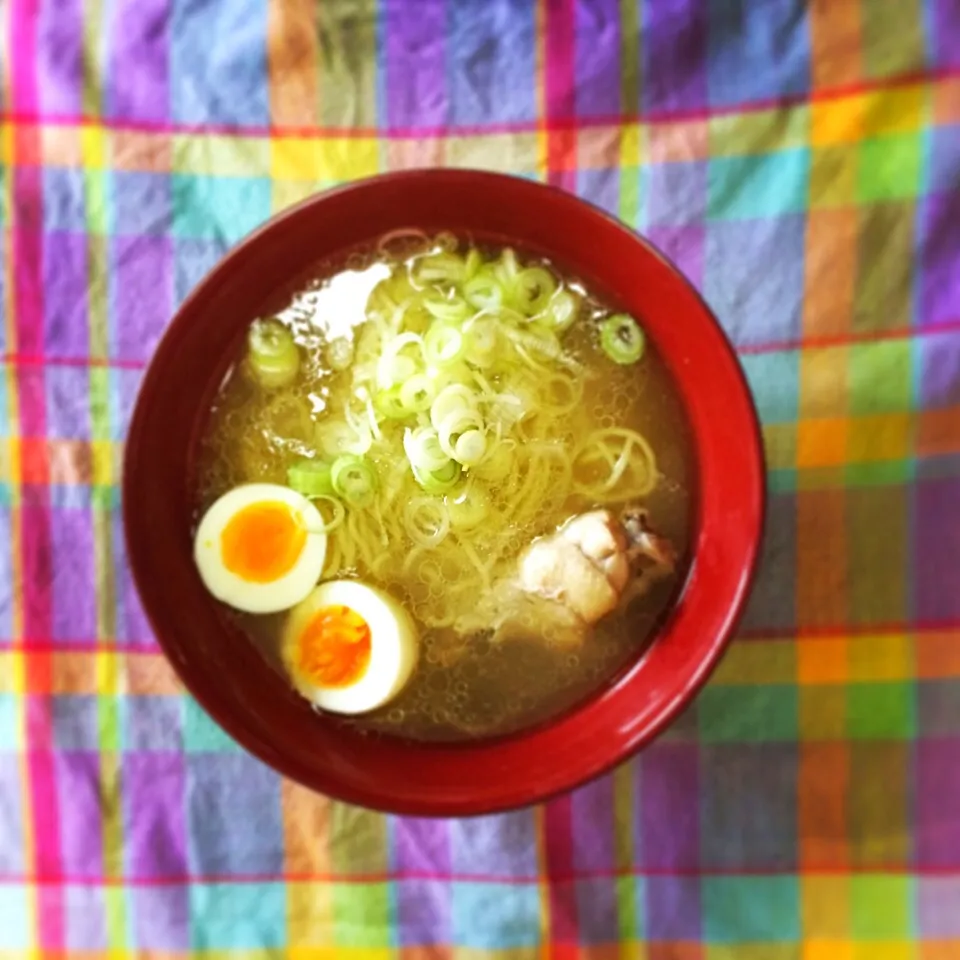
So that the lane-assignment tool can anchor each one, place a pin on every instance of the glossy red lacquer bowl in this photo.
(225, 672)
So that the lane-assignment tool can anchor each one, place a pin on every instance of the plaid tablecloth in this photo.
(802, 163)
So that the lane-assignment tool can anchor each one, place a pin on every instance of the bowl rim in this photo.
(734, 607)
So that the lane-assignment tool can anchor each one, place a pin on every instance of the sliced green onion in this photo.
(622, 340)
(426, 521)
(469, 508)
(439, 267)
(453, 427)
(484, 291)
(457, 396)
(418, 393)
(452, 311)
(311, 478)
(274, 359)
(560, 312)
(508, 268)
(443, 344)
(336, 437)
(423, 449)
(498, 463)
(480, 342)
(395, 369)
(544, 343)
(390, 404)
(394, 366)
(470, 447)
(354, 479)
(472, 264)
(533, 290)
(441, 480)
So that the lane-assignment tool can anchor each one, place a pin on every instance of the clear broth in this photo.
(462, 687)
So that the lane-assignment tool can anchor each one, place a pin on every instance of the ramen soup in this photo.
(445, 488)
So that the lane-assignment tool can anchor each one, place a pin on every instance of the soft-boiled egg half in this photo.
(349, 648)
(260, 548)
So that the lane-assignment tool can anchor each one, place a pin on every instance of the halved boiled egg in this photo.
(349, 648)
(260, 547)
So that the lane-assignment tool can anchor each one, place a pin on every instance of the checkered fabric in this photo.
(801, 162)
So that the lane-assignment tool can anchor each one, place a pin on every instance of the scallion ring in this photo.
(621, 339)
(355, 479)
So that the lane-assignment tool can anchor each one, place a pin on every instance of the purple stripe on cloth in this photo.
(492, 56)
(756, 829)
(601, 187)
(11, 813)
(937, 259)
(131, 624)
(137, 79)
(938, 708)
(421, 845)
(68, 404)
(597, 913)
(677, 193)
(74, 590)
(75, 722)
(944, 33)
(672, 907)
(423, 912)
(937, 549)
(150, 723)
(773, 602)
(670, 806)
(125, 385)
(60, 57)
(227, 788)
(416, 63)
(937, 787)
(674, 55)
(597, 58)
(504, 845)
(154, 815)
(938, 907)
(684, 246)
(81, 822)
(65, 282)
(86, 918)
(141, 294)
(940, 369)
(161, 917)
(594, 841)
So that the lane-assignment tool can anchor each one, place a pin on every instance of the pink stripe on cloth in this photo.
(559, 86)
(558, 849)
(35, 512)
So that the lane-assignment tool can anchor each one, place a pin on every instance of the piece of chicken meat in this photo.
(569, 580)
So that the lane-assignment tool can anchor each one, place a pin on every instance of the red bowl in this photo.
(227, 675)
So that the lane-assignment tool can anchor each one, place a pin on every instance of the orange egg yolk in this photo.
(262, 542)
(334, 648)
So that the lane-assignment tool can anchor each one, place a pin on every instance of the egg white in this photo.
(394, 647)
(252, 597)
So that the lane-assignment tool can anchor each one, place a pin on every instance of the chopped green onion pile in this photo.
(455, 405)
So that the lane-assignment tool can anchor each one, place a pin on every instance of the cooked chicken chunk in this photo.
(571, 579)
(584, 566)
